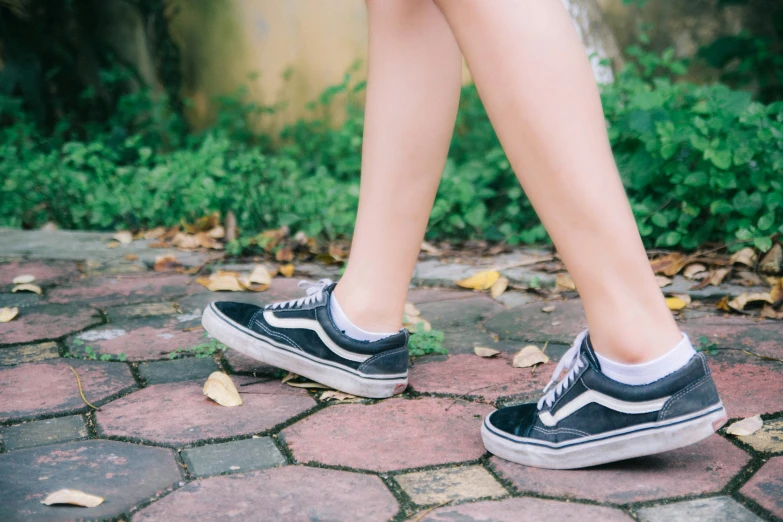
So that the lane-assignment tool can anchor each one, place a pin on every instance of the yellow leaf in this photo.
(260, 276)
(481, 280)
(499, 287)
(739, 302)
(529, 356)
(123, 236)
(28, 288)
(220, 388)
(73, 497)
(717, 276)
(776, 292)
(337, 396)
(746, 256)
(411, 310)
(247, 285)
(662, 281)
(685, 298)
(747, 426)
(23, 279)
(217, 233)
(287, 270)
(7, 314)
(723, 304)
(218, 283)
(675, 303)
(564, 282)
(483, 351)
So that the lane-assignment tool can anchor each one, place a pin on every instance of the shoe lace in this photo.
(572, 363)
(314, 293)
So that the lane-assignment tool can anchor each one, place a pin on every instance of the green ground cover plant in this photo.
(701, 164)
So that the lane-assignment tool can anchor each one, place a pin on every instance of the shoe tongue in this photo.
(589, 354)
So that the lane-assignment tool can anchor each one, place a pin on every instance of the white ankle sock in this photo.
(351, 330)
(651, 371)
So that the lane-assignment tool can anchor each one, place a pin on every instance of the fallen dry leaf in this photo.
(260, 276)
(685, 298)
(739, 302)
(287, 270)
(337, 396)
(776, 292)
(717, 276)
(480, 281)
(429, 248)
(564, 282)
(7, 314)
(772, 262)
(217, 233)
(217, 283)
(723, 304)
(663, 281)
(499, 287)
(113, 244)
(288, 377)
(29, 287)
(203, 223)
(123, 236)
(769, 313)
(131, 257)
(50, 226)
(284, 255)
(529, 356)
(207, 241)
(167, 263)
(309, 385)
(746, 256)
(548, 309)
(748, 278)
(220, 388)
(185, 241)
(747, 426)
(693, 270)
(73, 497)
(669, 265)
(675, 303)
(23, 279)
(155, 233)
(483, 351)
(411, 310)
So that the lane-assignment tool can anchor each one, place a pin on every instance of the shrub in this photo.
(700, 163)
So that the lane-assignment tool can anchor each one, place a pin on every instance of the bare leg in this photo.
(413, 89)
(534, 78)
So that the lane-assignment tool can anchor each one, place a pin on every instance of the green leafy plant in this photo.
(92, 355)
(424, 342)
(206, 349)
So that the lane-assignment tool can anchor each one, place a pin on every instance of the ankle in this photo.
(365, 314)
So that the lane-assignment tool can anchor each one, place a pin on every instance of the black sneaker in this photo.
(301, 337)
(590, 419)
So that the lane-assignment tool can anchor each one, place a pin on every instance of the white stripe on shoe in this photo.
(592, 396)
(315, 326)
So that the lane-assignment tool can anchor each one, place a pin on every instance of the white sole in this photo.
(654, 438)
(253, 345)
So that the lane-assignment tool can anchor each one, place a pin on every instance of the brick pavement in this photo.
(158, 450)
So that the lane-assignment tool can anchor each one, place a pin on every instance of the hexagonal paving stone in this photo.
(529, 323)
(124, 289)
(769, 438)
(45, 273)
(718, 508)
(233, 457)
(748, 387)
(141, 339)
(512, 510)
(49, 387)
(452, 313)
(390, 435)
(125, 474)
(281, 289)
(702, 468)
(39, 323)
(29, 353)
(288, 494)
(179, 414)
(762, 337)
(438, 486)
(43, 432)
(766, 486)
(433, 295)
(470, 375)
